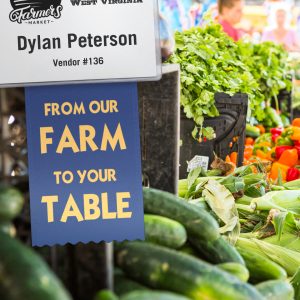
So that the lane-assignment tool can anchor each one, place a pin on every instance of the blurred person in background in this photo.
(230, 14)
(271, 6)
(281, 34)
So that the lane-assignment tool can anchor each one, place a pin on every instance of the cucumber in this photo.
(11, 203)
(166, 269)
(152, 295)
(276, 290)
(217, 252)
(261, 268)
(8, 228)
(124, 285)
(188, 249)
(24, 275)
(252, 131)
(196, 221)
(106, 295)
(165, 232)
(274, 116)
(237, 270)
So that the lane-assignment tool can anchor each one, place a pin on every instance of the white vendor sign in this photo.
(52, 41)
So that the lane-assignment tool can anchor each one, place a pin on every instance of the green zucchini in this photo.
(124, 285)
(165, 232)
(261, 268)
(252, 131)
(196, 221)
(276, 290)
(24, 275)
(8, 228)
(237, 270)
(11, 203)
(166, 269)
(106, 295)
(152, 295)
(217, 252)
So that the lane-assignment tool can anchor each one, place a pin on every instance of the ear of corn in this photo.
(288, 259)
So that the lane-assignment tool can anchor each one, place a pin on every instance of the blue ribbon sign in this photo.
(84, 163)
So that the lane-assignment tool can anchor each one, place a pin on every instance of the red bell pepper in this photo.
(276, 131)
(298, 149)
(292, 174)
(280, 149)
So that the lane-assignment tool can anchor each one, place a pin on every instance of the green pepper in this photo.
(265, 149)
(284, 141)
(287, 133)
(266, 137)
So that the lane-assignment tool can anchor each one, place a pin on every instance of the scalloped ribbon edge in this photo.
(85, 242)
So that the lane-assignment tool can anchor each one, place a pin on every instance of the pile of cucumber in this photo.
(185, 257)
(23, 274)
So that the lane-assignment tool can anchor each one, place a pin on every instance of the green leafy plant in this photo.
(210, 63)
(269, 65)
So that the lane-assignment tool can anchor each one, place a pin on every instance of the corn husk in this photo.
(288, 259)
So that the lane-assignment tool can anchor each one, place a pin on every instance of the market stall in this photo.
(220, 152)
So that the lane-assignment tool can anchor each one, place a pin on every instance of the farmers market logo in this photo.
(35, 11)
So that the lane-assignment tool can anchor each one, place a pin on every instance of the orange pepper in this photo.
(296, 122)
(233, 157)
(249, 147)
(275, 171)
(261, 128)
(248, 153)
(289, 158)
(249, 141)
(296, 133)
(262, 144)
(261, 154)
